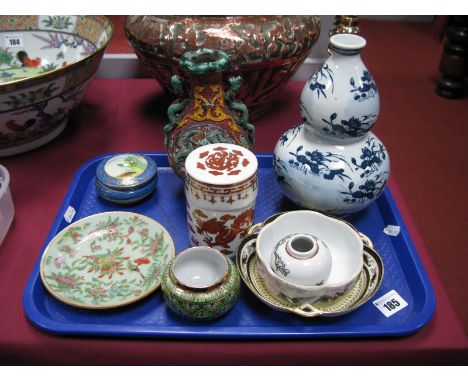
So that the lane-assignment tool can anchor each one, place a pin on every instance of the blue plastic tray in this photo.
(249, 318)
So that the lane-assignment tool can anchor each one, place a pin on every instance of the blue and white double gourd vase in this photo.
(332, 162)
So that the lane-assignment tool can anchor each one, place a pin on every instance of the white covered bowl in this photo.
(343, 242)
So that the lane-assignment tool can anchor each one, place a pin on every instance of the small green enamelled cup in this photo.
(200, 284)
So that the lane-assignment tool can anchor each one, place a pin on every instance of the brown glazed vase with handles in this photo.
(210, 113)
(265, 51)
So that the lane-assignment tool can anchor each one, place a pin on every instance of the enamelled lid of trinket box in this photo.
(126, 171)
(221, 164)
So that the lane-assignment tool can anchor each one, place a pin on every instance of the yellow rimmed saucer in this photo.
(366, 286)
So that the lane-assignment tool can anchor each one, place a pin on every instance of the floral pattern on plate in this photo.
(106, 260)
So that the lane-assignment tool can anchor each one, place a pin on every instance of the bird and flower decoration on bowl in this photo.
(46, 64)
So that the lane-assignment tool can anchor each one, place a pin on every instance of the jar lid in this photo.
(127, 170)
(221, 164)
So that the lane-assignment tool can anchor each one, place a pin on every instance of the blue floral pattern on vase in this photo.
(372, 157)
(319, 79)
(286, 137)
(280, 170)
(366, 90)
(353, 127)
(318, 163)
(370, 190)
(332, 162)
(333, 181)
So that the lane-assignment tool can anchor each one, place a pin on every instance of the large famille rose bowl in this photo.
(265, 50)
(46, 63)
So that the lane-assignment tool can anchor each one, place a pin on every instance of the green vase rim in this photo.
(204, 61)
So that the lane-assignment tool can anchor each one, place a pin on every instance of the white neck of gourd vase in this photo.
(337, 59)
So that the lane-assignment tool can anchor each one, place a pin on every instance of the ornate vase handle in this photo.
(240, 108)
(174, 110)
(204, 61)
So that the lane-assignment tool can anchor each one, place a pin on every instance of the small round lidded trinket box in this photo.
(126, 178)
(221, 188)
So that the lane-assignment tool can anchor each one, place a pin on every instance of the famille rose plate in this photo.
(106, 260)
(366, 286)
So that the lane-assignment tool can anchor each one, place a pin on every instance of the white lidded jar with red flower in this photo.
(221, 188)
(332, 162)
